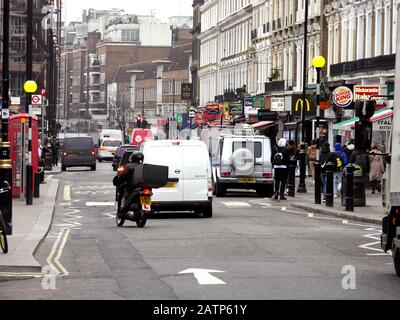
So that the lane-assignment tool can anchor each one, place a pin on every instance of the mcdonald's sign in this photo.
(300, 102)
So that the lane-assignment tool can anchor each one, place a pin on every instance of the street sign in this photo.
(5, 113)
(35, 111)
(186, 91)
(278, 104)
(36, 99)
(43, 92)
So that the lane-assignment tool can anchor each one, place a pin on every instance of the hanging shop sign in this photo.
(366, 92)
(278, 104)
(213, 109)
(258, 102)
(343, 97)
(235, 108)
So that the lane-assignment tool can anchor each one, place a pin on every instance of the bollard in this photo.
(37, 185)
(329, 184)
(29, 185)
(41, 175)
(349, 188)
(291, 181)
(317, 182)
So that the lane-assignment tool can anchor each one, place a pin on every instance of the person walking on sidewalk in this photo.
(280, 161)
(349, 148)
(326, 157)
(377, 168)
(341, 163)
(312, 156)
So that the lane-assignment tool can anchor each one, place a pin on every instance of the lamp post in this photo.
(302, 181)
(318, 63)
(29, 87)
(5, 161)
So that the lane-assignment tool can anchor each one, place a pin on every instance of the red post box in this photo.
(19, 136)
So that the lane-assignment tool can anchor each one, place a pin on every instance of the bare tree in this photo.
(119, 111)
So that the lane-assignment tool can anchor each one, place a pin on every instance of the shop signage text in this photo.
(365, 92)
(382, 125)
(278, 104)
(342, 97)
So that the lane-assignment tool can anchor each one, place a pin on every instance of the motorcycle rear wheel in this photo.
(141, 220)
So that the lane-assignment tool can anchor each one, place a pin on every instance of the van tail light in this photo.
(267, 174)
(225, 174)
(93, 152)
(65, 154)
(103, 148)
(210, 186)
(147, 192)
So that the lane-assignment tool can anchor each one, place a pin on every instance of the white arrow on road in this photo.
(204, 277)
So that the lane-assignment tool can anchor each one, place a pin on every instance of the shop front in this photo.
(382, 125)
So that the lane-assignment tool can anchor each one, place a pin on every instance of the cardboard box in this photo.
(150, 176)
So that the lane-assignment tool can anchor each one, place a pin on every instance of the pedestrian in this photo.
(326, 157)
(349, 148)
(377, 168)
(341, 163)
(280, 161)
(312, 157)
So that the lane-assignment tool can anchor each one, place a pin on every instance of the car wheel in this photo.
(220, 190)
(63, 168)
(100, 160)
(207, 212)
(93, 168)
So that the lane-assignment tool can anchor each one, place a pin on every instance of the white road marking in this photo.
(204, 277)
(100, 204)
(284, 209)
(345, 221)
(67, 193)
(311, 215)
(236, 204)
(109, 215)
(369, 246)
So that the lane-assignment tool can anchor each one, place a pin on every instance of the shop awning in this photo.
(262, 125)
(348, 125)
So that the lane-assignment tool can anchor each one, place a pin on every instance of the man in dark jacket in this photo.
(326, 157)
(280, 160)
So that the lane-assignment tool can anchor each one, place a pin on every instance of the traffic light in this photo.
(365, 109)
(139, 121)
(363, 135)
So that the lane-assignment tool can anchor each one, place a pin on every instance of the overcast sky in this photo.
(163, 8)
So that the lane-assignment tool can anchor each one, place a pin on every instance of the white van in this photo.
(111, 134)
(189, 185)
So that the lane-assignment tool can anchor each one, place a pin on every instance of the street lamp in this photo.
(318, 63)
(29, 87)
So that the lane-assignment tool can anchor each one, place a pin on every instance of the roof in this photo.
(149, 72)
(179, 56)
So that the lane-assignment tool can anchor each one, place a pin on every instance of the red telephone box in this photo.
(19, 136)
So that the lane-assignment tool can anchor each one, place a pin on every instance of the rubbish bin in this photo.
(358, 187)
(48, 160)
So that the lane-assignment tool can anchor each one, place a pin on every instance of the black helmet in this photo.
(136, 158)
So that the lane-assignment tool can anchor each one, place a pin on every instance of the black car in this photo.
(78, 152)
(119, 154)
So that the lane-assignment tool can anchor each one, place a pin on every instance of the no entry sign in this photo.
(36, 99)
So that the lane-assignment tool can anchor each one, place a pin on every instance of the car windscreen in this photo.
(111, 143)
(255, 147)
(78, 143)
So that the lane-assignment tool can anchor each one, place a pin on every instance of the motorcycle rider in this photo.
(124, 182)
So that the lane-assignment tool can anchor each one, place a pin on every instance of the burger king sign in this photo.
(343, 97)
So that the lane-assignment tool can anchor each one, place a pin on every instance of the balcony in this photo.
(275, 86)
(386, 62)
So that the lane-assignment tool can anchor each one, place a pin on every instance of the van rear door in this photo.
(195, 172)
(171, 156)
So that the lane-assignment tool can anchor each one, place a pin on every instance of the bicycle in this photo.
(3, 234)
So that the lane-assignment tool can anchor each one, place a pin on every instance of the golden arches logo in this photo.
(300, 102)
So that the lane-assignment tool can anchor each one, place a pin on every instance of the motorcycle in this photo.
(139, 208)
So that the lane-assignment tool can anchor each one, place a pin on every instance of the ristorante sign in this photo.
(366, 92)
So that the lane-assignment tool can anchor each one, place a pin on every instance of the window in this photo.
(255, 147)
(129, 35)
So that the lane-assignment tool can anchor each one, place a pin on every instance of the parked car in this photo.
(107, 149)
(189, 185)
(78, 152)
(121, 150)
(243, 162)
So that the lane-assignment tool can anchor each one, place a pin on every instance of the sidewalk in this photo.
(30, 226)
(372, 213)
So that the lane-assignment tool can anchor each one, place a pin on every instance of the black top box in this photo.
(150, 176)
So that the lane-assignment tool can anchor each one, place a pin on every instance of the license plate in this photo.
(170, 185)
(248, 180)
(145, 201)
